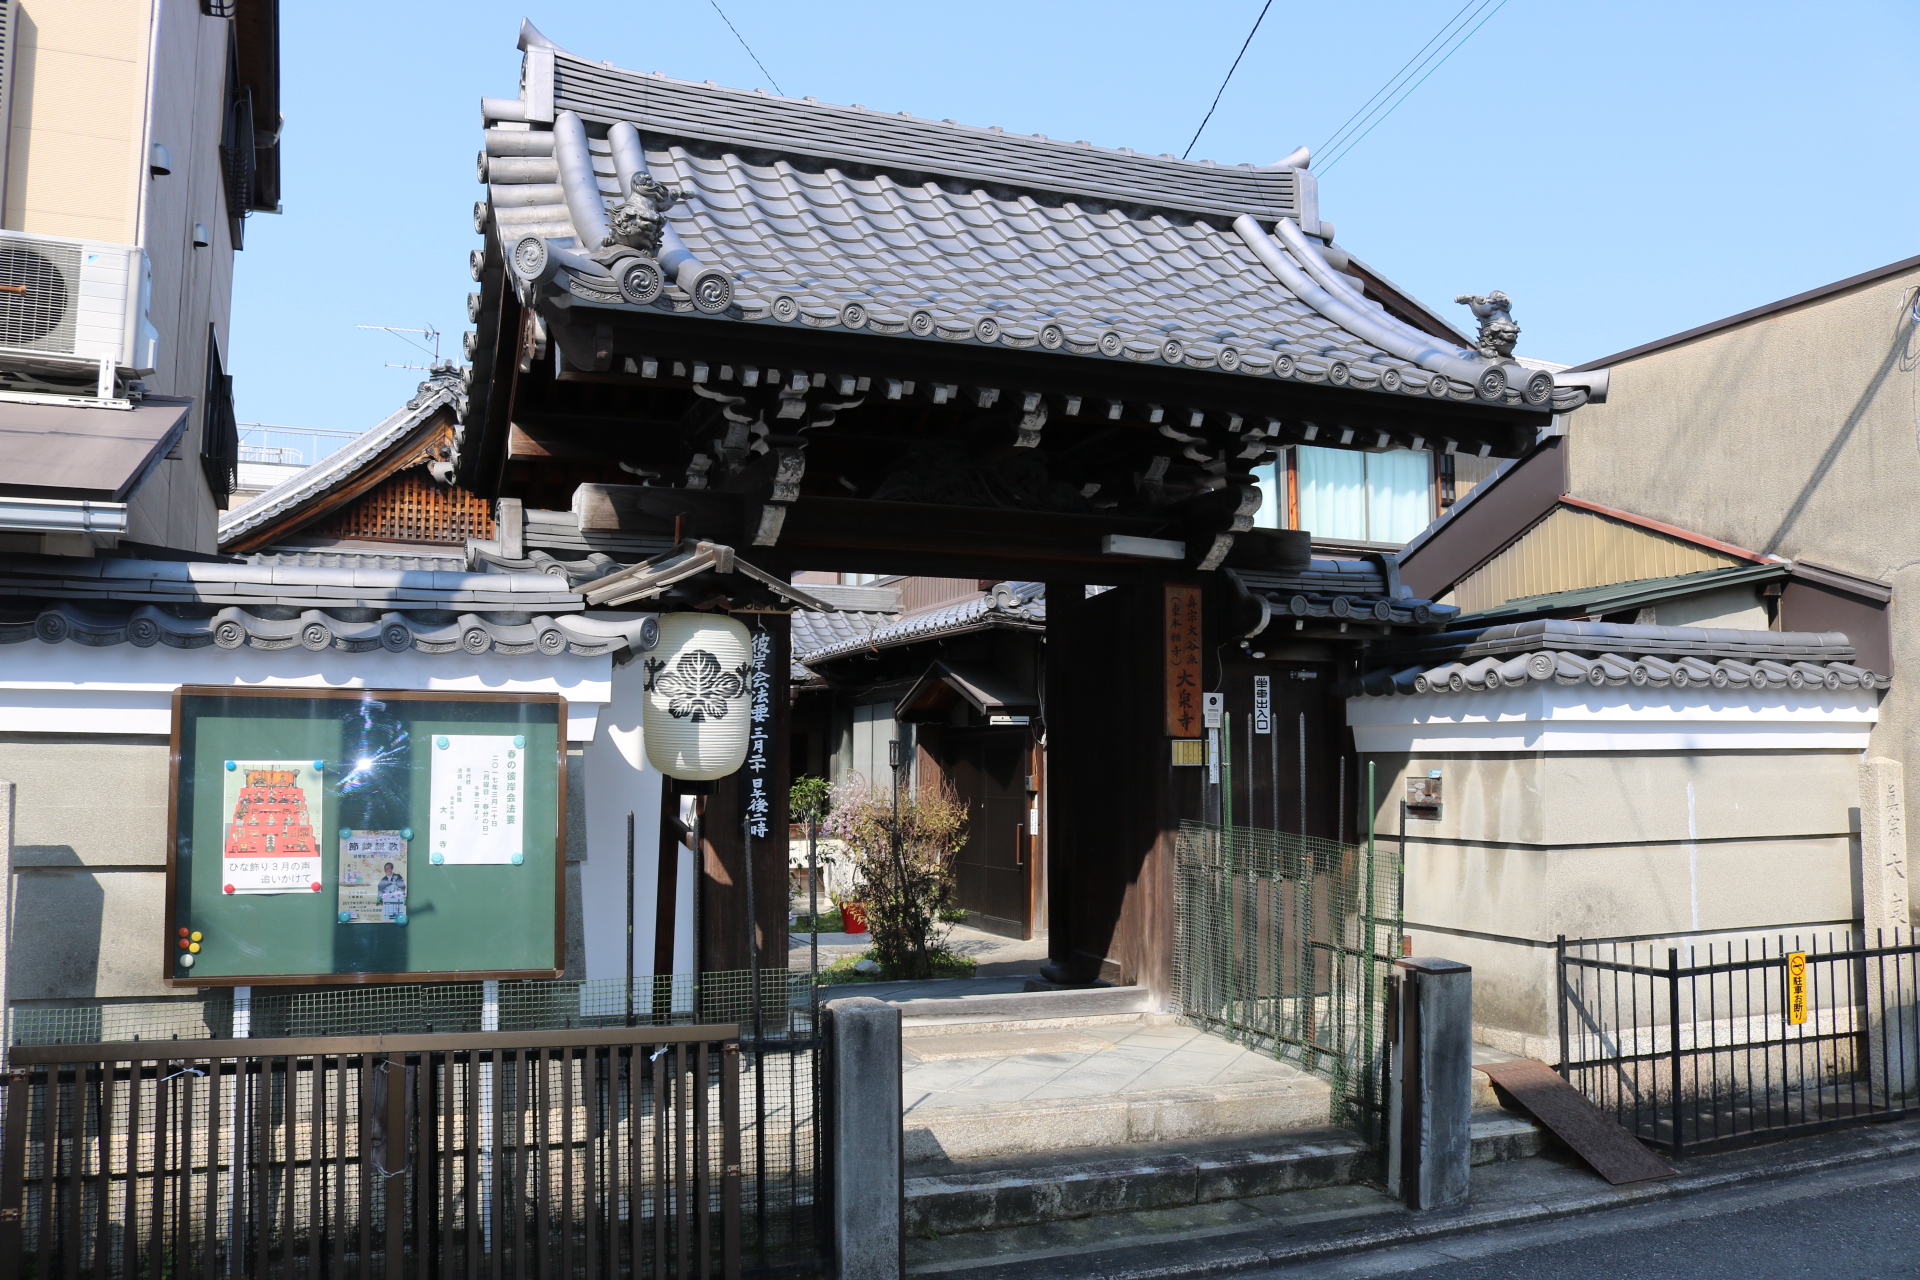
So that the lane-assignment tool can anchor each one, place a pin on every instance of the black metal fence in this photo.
(603, 1153)
(1742, 1040)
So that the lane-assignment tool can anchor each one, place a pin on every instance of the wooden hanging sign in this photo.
(1183, 660)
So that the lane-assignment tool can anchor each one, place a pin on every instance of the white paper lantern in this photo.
(699, 705)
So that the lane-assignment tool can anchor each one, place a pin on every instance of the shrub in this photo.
(903, 853)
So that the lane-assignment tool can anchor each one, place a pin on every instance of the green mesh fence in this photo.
(1283, 943)
(786, 998)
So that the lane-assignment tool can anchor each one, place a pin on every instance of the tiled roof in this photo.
(199, 584)
(357, 558)
(1616, 654)
(275, 605)
(1018, 605)
(440, 390)
(353, 630)
(811, 216)
(1343, 589)
(1617, 669)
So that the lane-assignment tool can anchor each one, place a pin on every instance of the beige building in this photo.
(1683, 635)
(139, 136)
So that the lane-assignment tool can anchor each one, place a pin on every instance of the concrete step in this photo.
(1118, 1119)
(1022, 1006)
(950, 1197)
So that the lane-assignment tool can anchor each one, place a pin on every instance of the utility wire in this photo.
(1387, 88)
(1223, 84)
(749, 48)
(1348, 148)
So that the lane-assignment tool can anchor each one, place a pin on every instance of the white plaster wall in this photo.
(620, 780)
(1685, 821)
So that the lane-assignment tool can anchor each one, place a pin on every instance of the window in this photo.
(1347, 494)
(219, 433)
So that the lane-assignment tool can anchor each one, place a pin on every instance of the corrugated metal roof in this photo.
(1572, 549)
(1615, 596)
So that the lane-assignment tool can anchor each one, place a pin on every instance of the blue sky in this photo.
(1622, 169)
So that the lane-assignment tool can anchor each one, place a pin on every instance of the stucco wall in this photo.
(1674, 848)
(1797, 434)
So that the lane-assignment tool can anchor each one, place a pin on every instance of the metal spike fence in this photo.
(1284, 943)
(1724, 1043)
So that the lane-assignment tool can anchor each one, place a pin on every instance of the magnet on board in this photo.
(519, 740)
(184, 931)
(346, 833)
(183, 943)
(316, 886)
(319, 766)
(406, 833)
(231, 766)
(192, 937)
(193, 948)
(401, 918)
(439, 858)
(517, 859)
(186, 962)
(346, 917)
(440, 743)
(229, 888)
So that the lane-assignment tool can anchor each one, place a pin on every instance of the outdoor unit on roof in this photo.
(74, 301)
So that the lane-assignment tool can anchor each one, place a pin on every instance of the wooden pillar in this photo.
(723, 881)
(1113, 799)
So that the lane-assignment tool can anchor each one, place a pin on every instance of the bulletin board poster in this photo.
(365, 836)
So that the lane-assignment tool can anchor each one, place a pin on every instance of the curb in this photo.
(1236, 1253)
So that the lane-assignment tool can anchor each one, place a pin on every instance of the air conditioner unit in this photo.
(73, 302)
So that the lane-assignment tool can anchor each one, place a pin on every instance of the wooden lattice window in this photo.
(410, 507)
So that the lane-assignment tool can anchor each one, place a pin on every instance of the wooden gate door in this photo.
(995, 873)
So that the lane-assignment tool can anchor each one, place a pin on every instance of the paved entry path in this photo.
(971, 1068)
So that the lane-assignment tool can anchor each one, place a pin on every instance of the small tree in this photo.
(808, 797)
(903, 853)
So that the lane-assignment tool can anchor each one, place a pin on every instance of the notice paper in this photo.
(271, 808)
(476, 794)
(373, 877)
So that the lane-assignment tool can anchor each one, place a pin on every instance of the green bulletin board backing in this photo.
(441, 918)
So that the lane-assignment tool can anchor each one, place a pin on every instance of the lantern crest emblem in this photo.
(698, 687)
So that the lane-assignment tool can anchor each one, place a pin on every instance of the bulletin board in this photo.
(364, 836)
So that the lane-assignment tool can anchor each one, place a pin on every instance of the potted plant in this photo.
(853, 913)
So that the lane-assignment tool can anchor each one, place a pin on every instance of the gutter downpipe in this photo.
(1350, 314)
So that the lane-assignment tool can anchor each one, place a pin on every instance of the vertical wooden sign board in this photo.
(1183, 660)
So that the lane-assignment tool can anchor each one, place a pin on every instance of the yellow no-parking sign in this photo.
(1796, 987)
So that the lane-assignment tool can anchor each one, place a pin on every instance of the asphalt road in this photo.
(1860, 1223)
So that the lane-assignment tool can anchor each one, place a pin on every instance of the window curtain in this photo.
(1399, 495)
(1272, 479)
(1333, 492)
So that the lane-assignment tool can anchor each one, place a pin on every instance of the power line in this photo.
(749, 48)
(1223, 84)
(1348, 146)
(1388, 87)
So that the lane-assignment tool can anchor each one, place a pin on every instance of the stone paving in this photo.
(1028, 1066)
